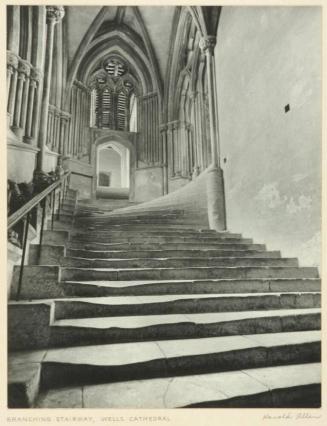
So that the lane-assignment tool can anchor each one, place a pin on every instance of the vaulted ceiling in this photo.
(152, 25)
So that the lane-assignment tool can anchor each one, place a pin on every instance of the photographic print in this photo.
(164, 206)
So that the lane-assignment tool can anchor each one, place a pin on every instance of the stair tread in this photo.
(307, 268)
(149, 282)
(154, 325)
(130, 353)
(182, 391)
(220, 258)
(143, 299)
(131, 300)
(199, 318)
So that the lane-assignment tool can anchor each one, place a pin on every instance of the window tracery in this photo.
(112, 87)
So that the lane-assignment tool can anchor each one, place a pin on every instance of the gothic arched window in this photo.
(112, 88)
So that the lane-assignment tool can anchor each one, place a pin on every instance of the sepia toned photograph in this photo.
(164, 206)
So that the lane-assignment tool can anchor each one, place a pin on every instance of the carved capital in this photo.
(12, 59)
(64, 115)
(33, 84)
(55, 14)
(163, 128)
(36, 74)
(193, 96)
(208, 43)
(173, 125)
(24, 68)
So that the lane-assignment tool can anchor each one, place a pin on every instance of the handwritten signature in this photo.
(292, 416)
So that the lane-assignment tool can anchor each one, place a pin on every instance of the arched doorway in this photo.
(112, 170)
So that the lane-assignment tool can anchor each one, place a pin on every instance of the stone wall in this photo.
(268, 58)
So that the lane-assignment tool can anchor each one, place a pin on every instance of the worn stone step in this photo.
(185, 245)
(112, 215)
(165, 287)
(140, 239)
(177, 262)
(65, 216)
(49, 254)
(190, 253)
(64, 222)
(69, 201)
(244, 272)
(171, 358)
(268, 387)
(156, 233)
(69, 211)
(132, 221)
(23, 384)
(145, 227)
(110, 218)
(87, 331)
(182, 304)
(56, 237)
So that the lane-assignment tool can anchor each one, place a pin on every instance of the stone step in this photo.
(69, 201)
(162, 287)
(87, 331)
(145, 227)
(171, 358)
(139, 239)
(131, 221)
(54, 255)
(69, 211)
(123, 232)
(56, 237)
(111, 217)
(248, 272)
(65, 217)
(268, 387)
(178, 262)
(131, 215)
(185, 245)
(182, 304)
(23, 384)
(190, 253)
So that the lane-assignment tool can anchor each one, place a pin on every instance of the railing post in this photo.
(63, 191)
(53, 201)
(26, 226)
(44, 208)
(59, 203)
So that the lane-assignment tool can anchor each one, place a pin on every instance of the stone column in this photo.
(37, 76)
(12, 64)
(215, 179)
(64, 117)
(176, 137)
(26, 91)
(19, 98)
(30, 109)
(163, 159)
(195, 156)
(170, 146)
(54, 15)
(72, 120)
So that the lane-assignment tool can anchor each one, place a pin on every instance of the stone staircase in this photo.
(143, 310)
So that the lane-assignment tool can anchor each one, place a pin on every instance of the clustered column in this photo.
(215, 179)
(207, 45)
(180, 149)
(79, 123)
(164, 145)
(23, 87)
(152, 149)
(54, 15)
